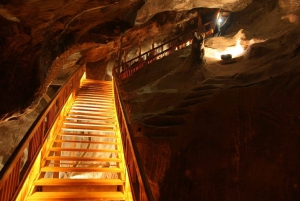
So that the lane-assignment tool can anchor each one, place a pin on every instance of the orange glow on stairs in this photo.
(83, 157)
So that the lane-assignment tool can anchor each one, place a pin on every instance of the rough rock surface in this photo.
(216, 132)
(151, 7)
(225, 131)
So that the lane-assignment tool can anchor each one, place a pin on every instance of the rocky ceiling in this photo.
(37, 37)
(261, 107)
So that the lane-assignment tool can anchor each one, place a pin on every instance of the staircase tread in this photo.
(103, 97)
(85, 108)
(67, 124)
(59, 182)
(90, 120)
(63, 158)
(86, 142)
(95, 102)
(105, 113)
(86, 135)
(110, 100)
(99, 116)
(81, 169)
(93, 105)
(45, 196)
(81, 128)
(84, 150)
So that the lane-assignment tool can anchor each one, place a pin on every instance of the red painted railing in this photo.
(15, 170)
(137, 175)
(128, 68)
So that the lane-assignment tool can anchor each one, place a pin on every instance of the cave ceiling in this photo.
(37, 37)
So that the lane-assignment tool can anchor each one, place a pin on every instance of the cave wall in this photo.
(242, 144)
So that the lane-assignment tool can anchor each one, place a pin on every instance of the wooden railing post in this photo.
(136, 172)
(15, 171)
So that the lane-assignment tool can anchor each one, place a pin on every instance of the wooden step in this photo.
(90, 81)
(90, 95)
(89, 124)
(94, 102)
(99, 112)
(107, 90)
(94, 116)
(81, 169)
(84, 150)
(82, 196)
(87, 129)
(72, 182)
(91, 99)
(95, 108)
(96, 87)
(86, 142)
(97, 159)
(102, 96)
(112, 106)
(99, 91)
(86, 135)
(94, 120)
(86, 124)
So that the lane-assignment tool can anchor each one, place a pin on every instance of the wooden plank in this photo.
(84, 94)
(72, 182)
(98, 159)
(107, 99)
(47, 98)
(86, 99)
(59, 196)
(81, 169)
(86, 142)
(89, 124)
(95, 95)
(97, 90)
(97, 81)
(87, 135)
(95, 102)
(93, 106)
(58, 82)
(88, 109)
(100, 113)
(92, 115)
(86, 129)
(90, 118)
(84, 150)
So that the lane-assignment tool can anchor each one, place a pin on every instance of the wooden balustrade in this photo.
(137, 175)
(16, 169)
(127, 68)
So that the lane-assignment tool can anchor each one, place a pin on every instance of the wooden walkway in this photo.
(85, 160)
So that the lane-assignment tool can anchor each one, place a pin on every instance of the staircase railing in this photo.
(16, 169)
(137, 175)
(129, 67)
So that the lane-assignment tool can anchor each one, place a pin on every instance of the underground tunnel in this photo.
(225, 128)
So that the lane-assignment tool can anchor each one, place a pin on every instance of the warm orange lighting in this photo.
(235, 51)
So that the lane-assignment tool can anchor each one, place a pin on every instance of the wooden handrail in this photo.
(137, 174)
(132, 65)
(13, 173)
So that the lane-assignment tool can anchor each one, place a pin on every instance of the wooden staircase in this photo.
(85, 161)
